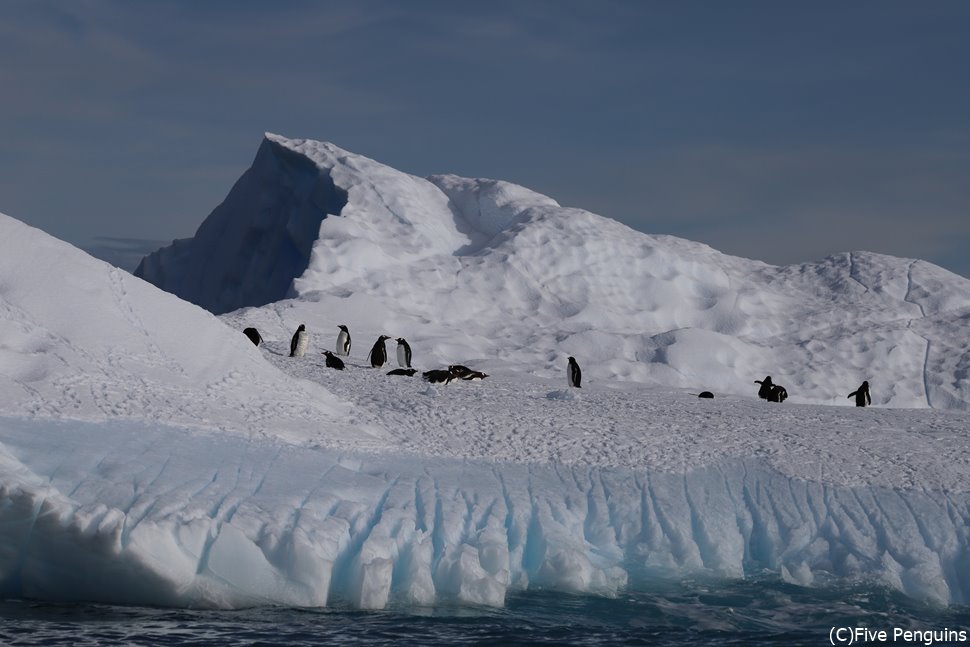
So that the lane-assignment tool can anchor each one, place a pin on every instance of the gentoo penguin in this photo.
(459, 372)
(378, 354)
(778, 393)
(333, 361)
(573, 373)
(862, 395)
(403, 353)
(766, 387)
(300, 342)
(253, 335)
(343, 341)
(403, 371)
(438, 375)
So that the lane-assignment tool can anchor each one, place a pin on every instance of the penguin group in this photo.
(770, 391)
(776, 393)
(377, 357)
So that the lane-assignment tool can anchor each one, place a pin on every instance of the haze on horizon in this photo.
(780, 132)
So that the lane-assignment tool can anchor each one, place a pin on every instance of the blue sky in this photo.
(782, 131)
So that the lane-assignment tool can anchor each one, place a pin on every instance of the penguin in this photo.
(778, 393)
(343, 341)
(437, 376)
(300, 342)
(766, 387)
(403, 371)
(458, 371)
(333, 361)
(253, 335)
(573, 373)
(706, 394)
(403, 353)
(378, 354)
(861, 395)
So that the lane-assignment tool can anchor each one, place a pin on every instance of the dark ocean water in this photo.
(738, 613)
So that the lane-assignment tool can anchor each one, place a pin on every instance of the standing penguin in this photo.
(861, 394)
(378, 354)
(573, 374)
(300, 342)
(343, 341)
(403, 353)
(766, 387)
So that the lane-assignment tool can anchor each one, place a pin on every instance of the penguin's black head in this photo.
(865, 384)
(383, 337)
(302, 327)
(343, 328)
(572, 359)
(400, 340)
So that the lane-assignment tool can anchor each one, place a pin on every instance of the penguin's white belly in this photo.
(302, 343)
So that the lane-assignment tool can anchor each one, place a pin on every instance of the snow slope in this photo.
(485, 269)
(84, 340)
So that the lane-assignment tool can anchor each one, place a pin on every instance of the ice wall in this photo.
(155, 515)
(252, 246)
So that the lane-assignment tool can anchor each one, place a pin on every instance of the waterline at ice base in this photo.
(150, 453)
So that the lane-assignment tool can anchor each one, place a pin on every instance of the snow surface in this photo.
(487, 269)
(149, 453)
(84, 340)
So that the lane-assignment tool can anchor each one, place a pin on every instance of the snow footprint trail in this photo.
(511, 418)
(209, 520)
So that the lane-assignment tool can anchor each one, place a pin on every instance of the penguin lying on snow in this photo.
(704, 394)
(403, 371)
(778, 394)
(438, 376)
(333, 361)
(464, 373)
(453, 372)
(253, 335)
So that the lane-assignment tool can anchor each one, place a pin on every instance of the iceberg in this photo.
(505, 273)
(151, 454)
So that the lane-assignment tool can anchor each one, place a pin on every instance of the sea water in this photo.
(752, 611)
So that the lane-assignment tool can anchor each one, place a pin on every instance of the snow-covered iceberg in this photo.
(524, 282)
(149, 453)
